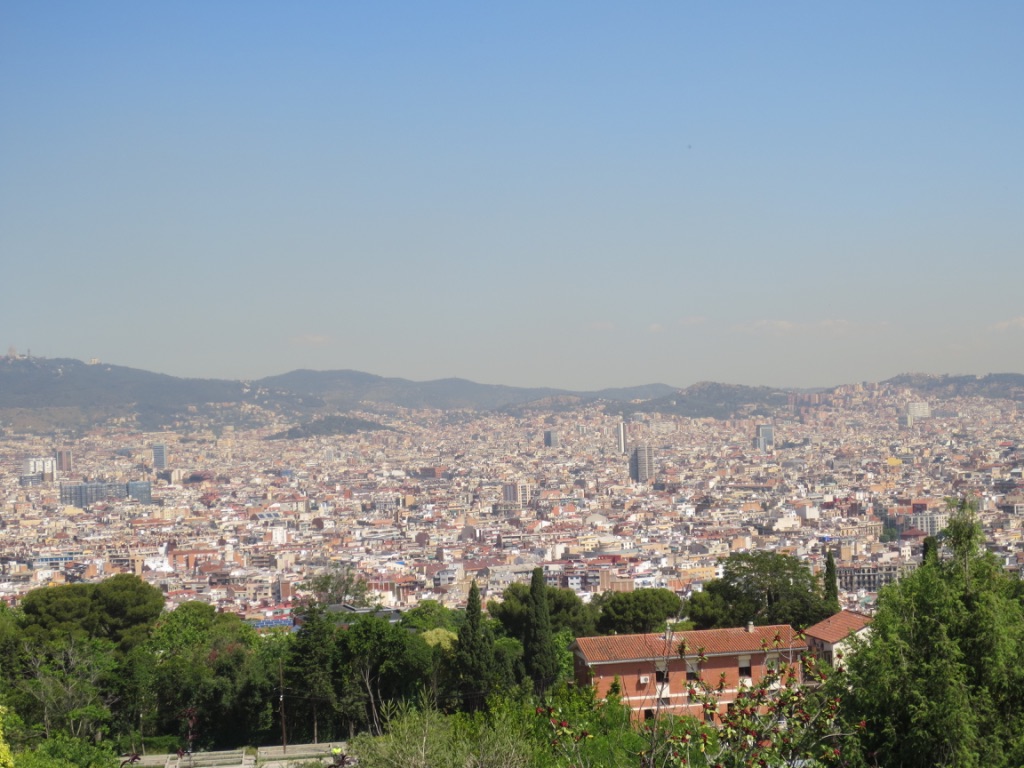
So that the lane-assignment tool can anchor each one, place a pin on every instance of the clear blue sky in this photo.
(573, 194)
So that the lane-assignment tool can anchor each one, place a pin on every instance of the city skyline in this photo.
(576, 196)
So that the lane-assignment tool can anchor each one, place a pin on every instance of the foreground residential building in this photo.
(656, 672)
(831, 636)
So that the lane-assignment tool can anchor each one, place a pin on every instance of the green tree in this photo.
(6, 759)
(709, 608)
(417, 735)
(762, 587)
(474, 655)
(382, 663)
(57, 613)
(65, 686)
(126, 607)
(135, 711)
(831, 584)
(938, 681)
(337, 585)
(565, 610)
(11, 644)
(509, 663)
(637, 612)
(430, 614)
(208, 663)
(62, 751)
(186, 627)
(311, 670)
(538, 645)
(119, 609)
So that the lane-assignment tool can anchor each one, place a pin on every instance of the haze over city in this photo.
(576, 195)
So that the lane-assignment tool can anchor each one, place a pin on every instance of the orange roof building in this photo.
(830, 636)
(660, 674)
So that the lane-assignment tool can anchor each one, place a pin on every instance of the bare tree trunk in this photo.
(374, 714)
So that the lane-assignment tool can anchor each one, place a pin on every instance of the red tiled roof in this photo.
(596, 650)
(838, 627)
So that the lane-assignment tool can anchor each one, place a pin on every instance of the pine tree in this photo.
(474, 655)
(539, 645)
(311, 670)
(831, 584)
(930, 551)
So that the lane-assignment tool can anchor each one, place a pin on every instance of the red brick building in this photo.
(656, 672)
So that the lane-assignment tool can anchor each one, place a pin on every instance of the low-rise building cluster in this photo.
(439, 499)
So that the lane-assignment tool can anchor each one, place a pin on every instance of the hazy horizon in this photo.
(572, 195)
(593, 387)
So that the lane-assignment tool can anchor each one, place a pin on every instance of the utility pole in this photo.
(284, 729)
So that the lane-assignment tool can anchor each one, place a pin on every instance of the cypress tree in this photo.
(930, 552)
(474, 655)
(539, 644)
(831, 584)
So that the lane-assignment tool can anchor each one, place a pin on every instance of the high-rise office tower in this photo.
(764, 439)
(551, 438)
(622, 437)
(159, 456)
(64, 460)
(641, 464)
(140, 490)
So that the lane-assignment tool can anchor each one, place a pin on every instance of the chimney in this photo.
(750, 626)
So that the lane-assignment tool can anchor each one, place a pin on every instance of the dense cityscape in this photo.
(766, 536)
(438, 500)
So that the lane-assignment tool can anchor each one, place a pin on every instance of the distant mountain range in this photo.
(1009, 386)
(42, 395)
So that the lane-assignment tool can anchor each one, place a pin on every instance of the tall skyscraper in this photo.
(764, 438)
(159, 456)
(622, 437)
(64, 460)
(641, 464)
(140, 490)
(551, 438)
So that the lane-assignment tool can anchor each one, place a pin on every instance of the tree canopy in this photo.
(763, 588)
(565, 611)
(643, 610)
(938, 682)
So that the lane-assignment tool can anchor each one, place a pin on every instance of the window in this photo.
(661, 676)
(709, 717)
(744, 666)
(692, 671)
